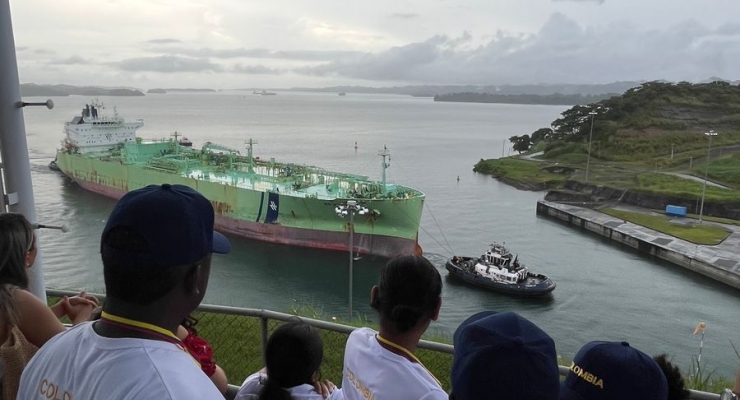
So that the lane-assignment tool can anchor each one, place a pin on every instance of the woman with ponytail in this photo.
(293, 356)
(382, 365)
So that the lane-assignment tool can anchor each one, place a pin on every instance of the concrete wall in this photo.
(688, 261)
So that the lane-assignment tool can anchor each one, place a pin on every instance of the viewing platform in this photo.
(720, 262)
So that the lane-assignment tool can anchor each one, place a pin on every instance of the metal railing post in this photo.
(263, 329)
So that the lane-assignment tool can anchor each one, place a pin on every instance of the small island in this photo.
(156, 91)
(650, 147)
(555, 99)
(32, 89)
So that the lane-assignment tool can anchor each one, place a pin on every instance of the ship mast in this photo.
(177, 143)
(250, 144)
(384, 165)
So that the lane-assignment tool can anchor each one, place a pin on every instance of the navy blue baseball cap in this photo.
(503, 356)
(613, 371)
(175, 221)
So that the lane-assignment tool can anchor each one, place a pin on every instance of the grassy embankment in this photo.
(528, 173)
(698, 234)
(637, 137)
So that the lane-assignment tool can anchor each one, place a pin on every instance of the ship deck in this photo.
(257, 182)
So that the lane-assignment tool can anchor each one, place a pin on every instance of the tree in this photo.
(522, 143)
(541, 134)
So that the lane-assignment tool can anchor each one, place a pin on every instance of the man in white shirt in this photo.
(156, 249)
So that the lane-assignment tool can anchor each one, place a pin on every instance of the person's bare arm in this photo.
(35, 319)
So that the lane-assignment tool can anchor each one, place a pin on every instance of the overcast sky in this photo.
(280, 43)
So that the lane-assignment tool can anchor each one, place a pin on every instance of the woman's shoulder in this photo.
(362, 333)
(307, 392)
(25, 300)
(251, 387)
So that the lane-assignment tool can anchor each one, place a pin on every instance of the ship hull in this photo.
(298, 221)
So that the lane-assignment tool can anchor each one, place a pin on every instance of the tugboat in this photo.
(53, 165)
(182, 140)
(500, 271)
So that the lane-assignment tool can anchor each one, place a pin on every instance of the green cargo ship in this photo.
(264, 200)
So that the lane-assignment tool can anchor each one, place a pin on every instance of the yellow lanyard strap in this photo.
(408, 353)
(143, 327)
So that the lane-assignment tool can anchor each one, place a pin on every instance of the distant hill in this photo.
(190, 90)
(548, 99)
(32, 89)
(437, 90)
(179, 90)
(653, 120)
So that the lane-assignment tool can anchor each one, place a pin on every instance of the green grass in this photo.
(571, 158)
(725, 170)
(525, 171)
(700, 377)
(675, 186)
(715, 219)
(698, 234)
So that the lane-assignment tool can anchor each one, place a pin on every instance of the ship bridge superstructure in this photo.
(93, 131)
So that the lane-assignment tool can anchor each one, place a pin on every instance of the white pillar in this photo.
(13, 146)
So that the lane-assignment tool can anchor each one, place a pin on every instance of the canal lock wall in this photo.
(720, 264)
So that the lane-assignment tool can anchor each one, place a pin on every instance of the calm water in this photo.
(604, 292)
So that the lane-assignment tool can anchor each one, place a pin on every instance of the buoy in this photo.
(458, 178)
(355, 145)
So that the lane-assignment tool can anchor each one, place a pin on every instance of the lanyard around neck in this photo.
(141, 327)
(406, 352)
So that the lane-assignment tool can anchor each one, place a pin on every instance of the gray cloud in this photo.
(256, 70)
(397, 63)
(729, 29)
(405, 15)
(583, 1)
(167, 64)
(163, 41)
(44, 51)
(299, 55)
(71, 60)
(21, 48)
(561, 51)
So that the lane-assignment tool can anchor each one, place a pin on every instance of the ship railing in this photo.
(239, 339)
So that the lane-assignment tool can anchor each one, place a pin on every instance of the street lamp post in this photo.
(350, 209)
(706, 171)
(590, 134)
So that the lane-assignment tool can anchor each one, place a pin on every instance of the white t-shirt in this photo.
(373, 373)
(252, 387)
(80, 364)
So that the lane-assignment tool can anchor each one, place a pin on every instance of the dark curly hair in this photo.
(676, 385)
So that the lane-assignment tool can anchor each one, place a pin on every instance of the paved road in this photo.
(697, 179)
(530, 156)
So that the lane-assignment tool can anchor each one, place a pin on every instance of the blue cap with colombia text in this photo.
(175, 221)
(613, 371)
